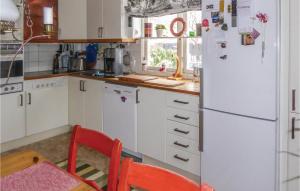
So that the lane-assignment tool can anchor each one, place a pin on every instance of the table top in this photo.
(21, 160)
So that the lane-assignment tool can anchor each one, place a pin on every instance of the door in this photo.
(239, 153)
(47, 108)
(12, 116)
(72, 19)
(120, 114)
(76, 101)
(244, 81)
(151, 122)
(93, 96)
(94, 18)
(293, 163)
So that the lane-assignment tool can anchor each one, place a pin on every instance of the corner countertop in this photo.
(188, 87)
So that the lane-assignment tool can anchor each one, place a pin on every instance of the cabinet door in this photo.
(94, 18)
(47, 108)
(151, 118)
(12, 117)
(76, 111)
(93, 96)
(72, 19)
(113, 19)
(295, 56)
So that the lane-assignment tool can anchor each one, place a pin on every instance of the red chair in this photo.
(103, 144)
(154, 179)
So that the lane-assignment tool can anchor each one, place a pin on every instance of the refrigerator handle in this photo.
(294, 100)
(201, 118)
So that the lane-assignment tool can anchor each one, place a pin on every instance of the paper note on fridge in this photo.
(245, 11)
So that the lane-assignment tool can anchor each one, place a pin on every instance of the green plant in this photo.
(160, 26)
(161, 55)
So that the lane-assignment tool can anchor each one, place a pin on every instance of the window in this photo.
(160, 51)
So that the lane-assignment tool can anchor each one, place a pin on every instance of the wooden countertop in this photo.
(188, 87)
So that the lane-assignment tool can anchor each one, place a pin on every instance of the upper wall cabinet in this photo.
(72, 19)
(92, 20)
(36, 9)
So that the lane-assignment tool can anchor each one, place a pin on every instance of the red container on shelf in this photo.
(148, 29)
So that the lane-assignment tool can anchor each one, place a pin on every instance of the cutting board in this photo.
(137, 78)
(165, 82)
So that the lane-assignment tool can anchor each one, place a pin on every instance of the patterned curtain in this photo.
(155, 8)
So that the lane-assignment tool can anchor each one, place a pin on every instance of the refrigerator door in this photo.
(239, 153)
(245, 82)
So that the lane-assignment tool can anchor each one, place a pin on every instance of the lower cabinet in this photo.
(151, 119)
(168, 128)
(85, 103)
(46, 104)
(12, 117)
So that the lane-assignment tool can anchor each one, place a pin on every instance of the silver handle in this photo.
(180, 144)
(117, 91)
(294, 100)
(21, 97)
(29, 98)
(182, 102)
(181, 117)
(137, 96)
(83, 86)
(181, 131)
(181, 158)
(100, 32)
(201, 105)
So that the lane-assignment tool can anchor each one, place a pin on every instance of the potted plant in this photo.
(160, 30)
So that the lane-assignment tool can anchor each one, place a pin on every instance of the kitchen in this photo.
(145, 80)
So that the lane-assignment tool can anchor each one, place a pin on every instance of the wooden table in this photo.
(18, 161)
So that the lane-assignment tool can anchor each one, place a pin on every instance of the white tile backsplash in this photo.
(39, 57)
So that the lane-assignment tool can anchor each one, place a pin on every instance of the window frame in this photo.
(182, 45)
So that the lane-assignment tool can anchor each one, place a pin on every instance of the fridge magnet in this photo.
(244, 11)
(210, 7)
(255, 34)
(205, 24)
(215, 17)
(233, 13)
(263, 19)
(224, 27)
(224, 57)
(247, 39)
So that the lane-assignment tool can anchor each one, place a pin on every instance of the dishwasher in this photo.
(120, 115)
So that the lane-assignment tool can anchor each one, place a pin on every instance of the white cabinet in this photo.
(295, 57)
(85, 103)
(151, 119)
(12, 116)
(46, 104)
(92, 19)
(72, 19)
(114, 19)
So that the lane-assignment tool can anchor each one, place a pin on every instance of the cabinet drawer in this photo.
(183, 130)
(183, 101)
(186, 117)
(183, 160)
(182, 143)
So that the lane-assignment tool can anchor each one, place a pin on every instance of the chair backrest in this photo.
(154, 178)
(103, 144)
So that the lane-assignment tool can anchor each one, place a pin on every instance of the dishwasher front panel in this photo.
(120, 114)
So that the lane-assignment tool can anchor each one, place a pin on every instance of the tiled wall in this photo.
(39, 57)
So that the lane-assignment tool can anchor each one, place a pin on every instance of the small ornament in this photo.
(262, 17)
(224, 27)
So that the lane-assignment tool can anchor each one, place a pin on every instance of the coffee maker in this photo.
(113, 62)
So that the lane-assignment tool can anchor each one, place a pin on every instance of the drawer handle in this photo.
(181, 158)
(181, 145)
(180, 117)
(181, 131)
(181, 102)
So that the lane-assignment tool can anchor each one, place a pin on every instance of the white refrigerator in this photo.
(239, 93)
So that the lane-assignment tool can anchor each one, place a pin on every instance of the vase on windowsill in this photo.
(160, 30)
